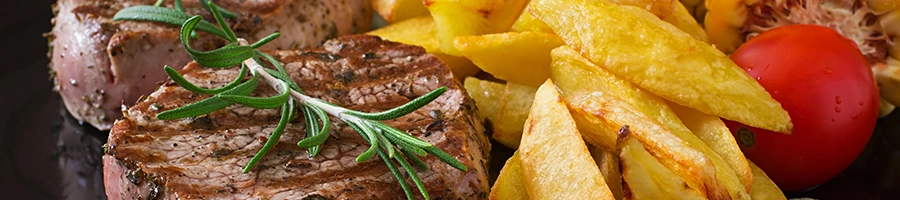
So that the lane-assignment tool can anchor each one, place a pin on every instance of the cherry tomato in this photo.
(826, 86)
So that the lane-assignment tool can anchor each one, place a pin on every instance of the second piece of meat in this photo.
(99, 65)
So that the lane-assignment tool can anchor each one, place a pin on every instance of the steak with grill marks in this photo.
(202, 157)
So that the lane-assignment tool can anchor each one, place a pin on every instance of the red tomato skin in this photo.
(826, 85)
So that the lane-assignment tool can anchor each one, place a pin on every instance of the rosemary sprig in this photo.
(164, 15)
(390, 144)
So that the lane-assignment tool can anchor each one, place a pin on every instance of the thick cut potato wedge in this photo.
(641, 48)
(505, 105)
(461, 67)
(511, 118)
(518, 57)
(527, 22)
(471, 17)
(510, 184)
(609, 168)
(763, 187)
(682, 19)
(555, 159)
(602, 103)
(418, 31)
(645, 177)
(716, 135)
(421, 31)
(670, 11)
(488, 97)
(660, 8)
(399, 10)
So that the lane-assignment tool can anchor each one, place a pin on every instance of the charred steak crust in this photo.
(100, 64)
(201, 158)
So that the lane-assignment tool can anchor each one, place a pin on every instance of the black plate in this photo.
(46, 154)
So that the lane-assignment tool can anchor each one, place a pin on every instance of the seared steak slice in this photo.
(202, 157)
(101, 64)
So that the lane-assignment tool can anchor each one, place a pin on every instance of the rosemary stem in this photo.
(299, 97)
(260, 71)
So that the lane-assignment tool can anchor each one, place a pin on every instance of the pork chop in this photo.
(100, 64)
(202, 157)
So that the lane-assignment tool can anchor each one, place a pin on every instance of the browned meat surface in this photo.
(202, 157)
(101, 65)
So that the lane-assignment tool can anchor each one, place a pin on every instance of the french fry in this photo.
(763, 187)
(579, 81)
(660, 8)
(639, 47)
(510, 184)
(555, 159)
(600, 117)
(511, 118)
(506, 105)
(421, 31)
(609, 168)
(527, 22)
(670, 11)
(522, 57)
(682, 19)
(418, 31)
(399, 10)
(647, 178)
(488, 96)
(471, 17)
(712, 131)
(602, 103)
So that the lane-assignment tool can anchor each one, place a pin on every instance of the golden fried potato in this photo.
(399, 10)
(763, 187)
(510, 184)
(488, 97)
(641, 48)
(418, 31)
(555, 160)
(579, 81)
(510, 120)
(660, 8)
(421, 31)
(505, 105)
(518, 57)
(602, 103)
(461, 67)
(527, 22)
(471, 17)
(670, 11)
(647, 178)
(682, 19)
(716, 135)
(609, 168)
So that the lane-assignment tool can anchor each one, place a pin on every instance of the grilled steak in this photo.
(101, 64)
(202, 157)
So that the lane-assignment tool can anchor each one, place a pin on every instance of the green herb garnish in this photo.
(389, 143)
